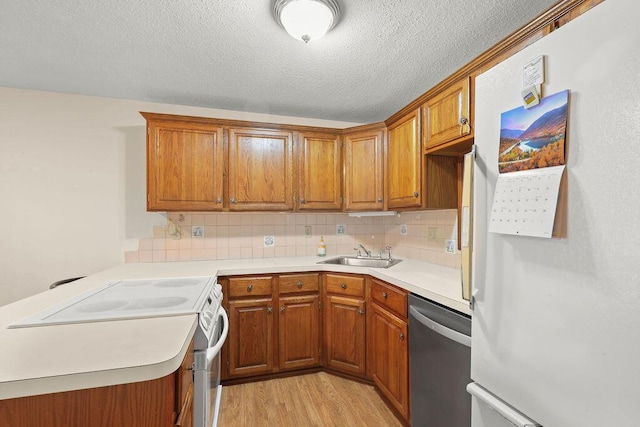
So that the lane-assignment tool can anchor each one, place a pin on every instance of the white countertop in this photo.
(57, 358)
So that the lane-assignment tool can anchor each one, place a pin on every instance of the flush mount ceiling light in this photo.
(306, 19)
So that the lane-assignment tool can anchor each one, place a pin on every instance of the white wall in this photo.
(72, 183)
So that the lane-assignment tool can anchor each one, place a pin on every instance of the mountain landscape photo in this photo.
(534, 138)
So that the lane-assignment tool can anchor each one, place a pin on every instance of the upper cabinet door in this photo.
(319, 172)
(404, 163)
(363, 171)
(260, 170)
(446, 115)
(185, 166)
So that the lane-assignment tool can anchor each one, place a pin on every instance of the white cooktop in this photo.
(127, 299)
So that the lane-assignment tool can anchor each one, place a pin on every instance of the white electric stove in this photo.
(129, 299)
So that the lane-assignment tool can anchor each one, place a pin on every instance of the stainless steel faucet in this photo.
(386, 248)
(366, 251)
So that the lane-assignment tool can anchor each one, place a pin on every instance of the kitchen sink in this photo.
(362, 262)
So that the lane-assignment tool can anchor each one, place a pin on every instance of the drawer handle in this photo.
(343, 286)
(250, 287)
(401, 336)
(384, 295)
(299, 284)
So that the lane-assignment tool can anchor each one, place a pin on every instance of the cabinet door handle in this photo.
(464, 120)
(416, 194)
(269, 309)
(232, 200)
(250, 287)
(299, 284)
(283, 308)
(379, 199)
(343, 286)
(219, 200)
(361, 311)
(302, 200)
(384, 295)
(401, 336)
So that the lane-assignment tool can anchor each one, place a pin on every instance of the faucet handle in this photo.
(358, 253)
(388, 249)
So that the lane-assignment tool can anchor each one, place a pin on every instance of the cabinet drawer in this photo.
(249, 286)
(345, 285)
(389, 297)
(297, 283)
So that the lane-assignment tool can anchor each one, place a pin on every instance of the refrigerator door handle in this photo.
(442, 330)
(509, 413)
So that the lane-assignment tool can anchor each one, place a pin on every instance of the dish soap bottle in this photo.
(322, 248)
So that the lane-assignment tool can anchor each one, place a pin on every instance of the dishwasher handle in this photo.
(442, 330)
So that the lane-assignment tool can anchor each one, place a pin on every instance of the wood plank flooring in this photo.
(319, 399)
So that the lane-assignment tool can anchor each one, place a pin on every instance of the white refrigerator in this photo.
(556, 322)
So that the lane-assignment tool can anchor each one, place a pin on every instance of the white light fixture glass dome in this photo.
(306, 19)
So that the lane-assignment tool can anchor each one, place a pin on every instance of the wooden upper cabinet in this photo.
(404, 163)
(260, 170)
(363, 170)
(319, 171)
(446, 116)
(185, 165)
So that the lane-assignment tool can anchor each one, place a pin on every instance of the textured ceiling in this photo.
(233, 55)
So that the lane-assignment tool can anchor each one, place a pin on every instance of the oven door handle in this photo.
(213, 351)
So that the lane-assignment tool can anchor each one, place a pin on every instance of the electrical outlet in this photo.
(197, 231)
(450, 247)
(269, 241)
(403, 229)
(432, 234)
(307, 231)
(341, 229)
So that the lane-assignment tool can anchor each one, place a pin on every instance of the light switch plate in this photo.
(403, 229)
(307, 231)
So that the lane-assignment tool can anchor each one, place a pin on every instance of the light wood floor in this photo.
(319, 399)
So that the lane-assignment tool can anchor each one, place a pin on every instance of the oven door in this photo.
(207, 388)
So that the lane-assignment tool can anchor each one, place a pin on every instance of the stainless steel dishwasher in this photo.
(440, 365)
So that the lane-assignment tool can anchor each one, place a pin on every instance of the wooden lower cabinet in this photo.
(390, 369)
(274, 324)
(388, 340)
(163, 402)
(250, 341)
(345, 323)
(345, 334)
(299, 344)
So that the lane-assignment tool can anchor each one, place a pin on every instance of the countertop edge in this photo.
(88, 380)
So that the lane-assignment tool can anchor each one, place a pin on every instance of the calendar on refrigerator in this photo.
(525, 202)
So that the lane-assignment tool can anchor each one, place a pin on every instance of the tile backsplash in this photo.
(188, 236)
